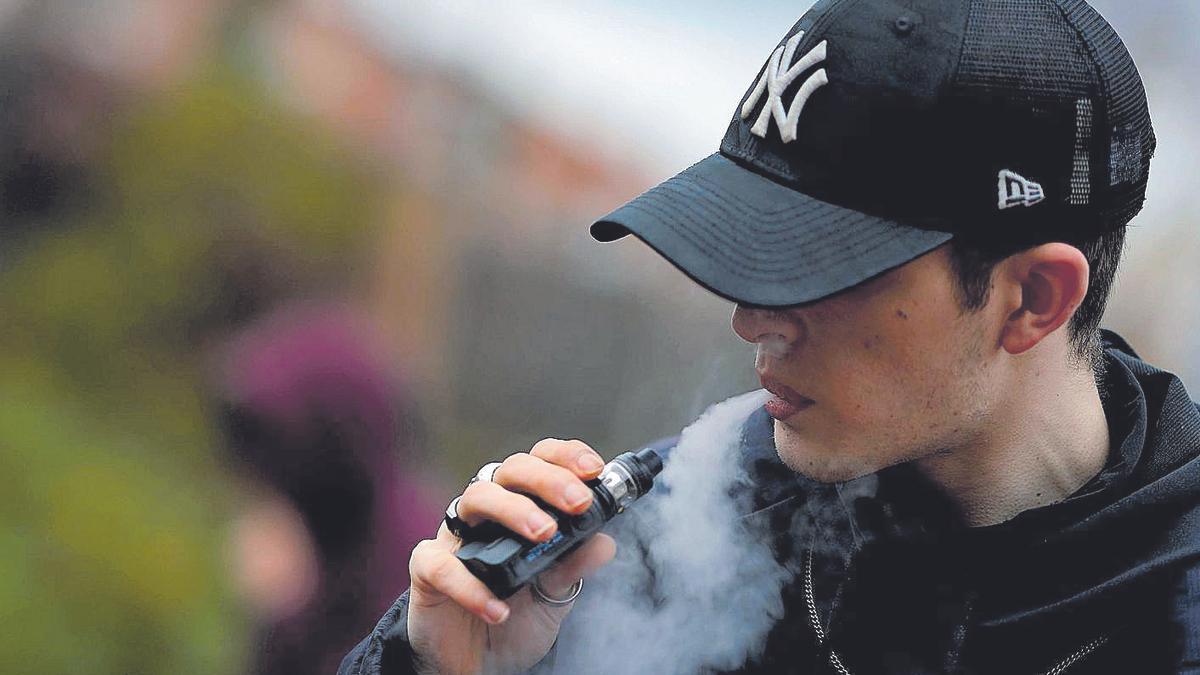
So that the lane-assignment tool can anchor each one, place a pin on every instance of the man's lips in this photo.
(786, 402)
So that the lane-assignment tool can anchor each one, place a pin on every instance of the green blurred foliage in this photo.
(210, 205)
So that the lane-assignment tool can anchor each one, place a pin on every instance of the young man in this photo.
(918, 208)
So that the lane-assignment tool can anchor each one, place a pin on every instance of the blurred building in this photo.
(516, 323)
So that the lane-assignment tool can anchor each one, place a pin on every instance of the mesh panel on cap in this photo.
(1131, 140)
(1081, 176)
(1027, 46)
(1061, 55)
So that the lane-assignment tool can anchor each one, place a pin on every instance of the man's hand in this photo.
(455, 624)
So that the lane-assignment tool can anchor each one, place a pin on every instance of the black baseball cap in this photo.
(880, 129)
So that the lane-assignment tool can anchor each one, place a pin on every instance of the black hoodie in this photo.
(1106, 581)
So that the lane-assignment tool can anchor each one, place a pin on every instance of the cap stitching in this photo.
(717, 204)
(733, 256)
(735, 252)
(693, 229)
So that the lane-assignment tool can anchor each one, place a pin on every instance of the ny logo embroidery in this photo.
(776, 78)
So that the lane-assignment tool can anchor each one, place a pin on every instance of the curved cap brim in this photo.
(756, 242)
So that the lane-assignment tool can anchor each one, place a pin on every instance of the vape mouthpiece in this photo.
(650, 459)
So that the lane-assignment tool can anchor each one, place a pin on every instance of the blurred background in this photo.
(277, 275)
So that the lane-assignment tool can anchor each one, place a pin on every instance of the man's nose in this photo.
(766, 326)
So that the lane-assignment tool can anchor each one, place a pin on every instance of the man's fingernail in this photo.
(576, 494)
(496, 611)
(590, 463)
(539, 523)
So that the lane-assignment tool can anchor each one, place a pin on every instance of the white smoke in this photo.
(705, 591)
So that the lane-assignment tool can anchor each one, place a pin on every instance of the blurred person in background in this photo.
(154, 197)
(327, 436)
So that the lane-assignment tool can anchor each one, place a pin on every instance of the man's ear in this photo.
(1048, 283)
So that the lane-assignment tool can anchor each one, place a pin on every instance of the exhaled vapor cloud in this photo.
(697, 589)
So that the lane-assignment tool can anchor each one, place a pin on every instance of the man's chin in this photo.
(803, 457)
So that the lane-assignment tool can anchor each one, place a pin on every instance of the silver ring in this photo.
(455, 524)
(542, 597)
(486, 473)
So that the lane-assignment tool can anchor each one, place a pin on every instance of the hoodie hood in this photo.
(1099, 560)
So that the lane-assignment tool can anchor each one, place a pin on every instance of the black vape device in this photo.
(505, 561)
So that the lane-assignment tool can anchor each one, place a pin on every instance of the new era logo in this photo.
(1016, 190)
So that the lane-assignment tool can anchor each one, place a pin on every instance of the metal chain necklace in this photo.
(835, 661)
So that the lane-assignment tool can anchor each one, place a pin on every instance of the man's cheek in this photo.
(866, 397)
(852, 420)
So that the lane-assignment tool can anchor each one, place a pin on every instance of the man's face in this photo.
(889, 371)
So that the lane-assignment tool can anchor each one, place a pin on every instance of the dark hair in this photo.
(974, 261)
